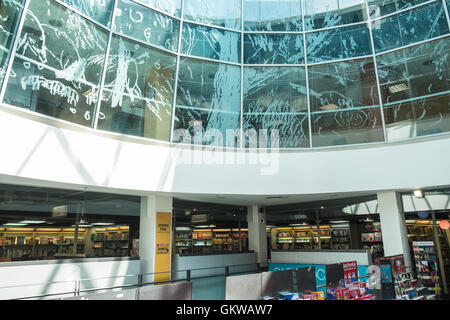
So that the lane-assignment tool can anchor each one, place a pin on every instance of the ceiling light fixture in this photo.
(418, 194)
(398, 88)
(329, 107)
(32, 221)
(14, 224)
(102, 223)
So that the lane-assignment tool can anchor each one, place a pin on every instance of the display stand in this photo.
(408, 288)
(427, 267)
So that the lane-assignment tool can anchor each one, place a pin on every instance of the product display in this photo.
(408, 288)
(340, 238)
(306, 237)
(47, 243)
(211, 241)
(427, 267)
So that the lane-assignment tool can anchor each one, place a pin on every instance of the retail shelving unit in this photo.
(39, 243)
(111, 241)
(340, 238)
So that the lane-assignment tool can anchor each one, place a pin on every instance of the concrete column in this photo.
(257, 232)
(150, 205)
(393, 226)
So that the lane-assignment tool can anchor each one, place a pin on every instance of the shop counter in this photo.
(203, 265)
(321, 257)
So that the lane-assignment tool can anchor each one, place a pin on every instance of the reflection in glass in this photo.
(409, 27)
(9, 16)
(58, 64)
(416, 71)
(99, 10)
(211, 43)
(344, 103)
(222, 13)
(380, 8)
(208, 103)
(273, 15)
(419, 117)
(146, 25)
(330, 13)
(273, 48)
(275, 99)
(138, 91)
(172, 7)
(338, 43)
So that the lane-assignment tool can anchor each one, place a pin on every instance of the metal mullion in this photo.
(128, 37)
(203, 24)
(241, 143)
(177, 69)
(336, 27)
(413, 99)
(12, 51)
(105, 68)
(78, 12)
(401, 11)
(377, 79)
(158, 10)
(446, 12)
(210, 59)
(272, 32)
(340, 60)
(308, 102)
(412, 45)
(257, 65)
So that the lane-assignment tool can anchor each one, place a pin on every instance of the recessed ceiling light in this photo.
(14, 224)
(32, 221)
(398, 88)
(102, 223)
(418, 193)
(329, 107)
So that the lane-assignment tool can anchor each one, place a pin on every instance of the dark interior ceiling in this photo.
(24, 202)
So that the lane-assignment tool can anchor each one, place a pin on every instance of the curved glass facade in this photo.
(233, 73)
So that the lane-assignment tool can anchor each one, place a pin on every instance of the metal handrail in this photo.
(78, 282)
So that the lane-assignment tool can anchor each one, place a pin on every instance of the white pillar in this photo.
(150, 205)
(393, 226)
(257, 239)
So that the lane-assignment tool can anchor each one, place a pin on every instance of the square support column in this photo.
(155, 237)
(393, 226)
(257, 239)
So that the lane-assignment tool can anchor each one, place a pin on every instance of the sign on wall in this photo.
(163, 246)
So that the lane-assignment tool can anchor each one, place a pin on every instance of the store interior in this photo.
(45, 223)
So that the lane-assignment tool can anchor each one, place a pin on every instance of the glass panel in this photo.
(272, 15)
(172, 7)
(380, 8)
(9, 17)
(413, 72)
(99, 10)
(339, 43)
(273, 49)
(409, 27)
(330, 13)
(138, 91)
(222, 13)
(208, 100)
(421, 117)
(211, 43)
(275, 99)
(146, 25)
(58, 64)
(344, 103)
